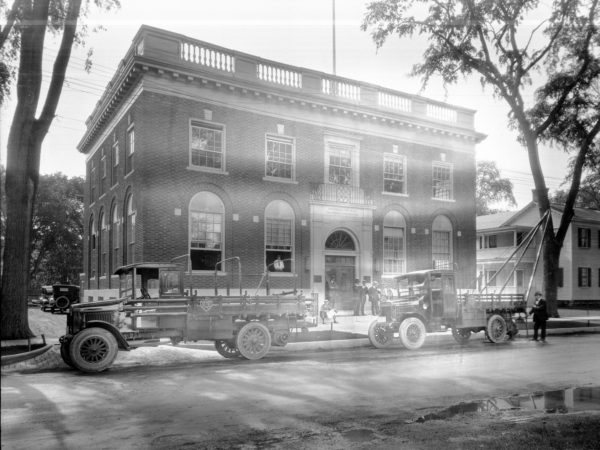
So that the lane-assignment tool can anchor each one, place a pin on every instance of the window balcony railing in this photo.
(339, 193)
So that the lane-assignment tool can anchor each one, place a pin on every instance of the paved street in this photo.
(300, 397)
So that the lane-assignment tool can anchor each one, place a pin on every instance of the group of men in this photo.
(364, 291)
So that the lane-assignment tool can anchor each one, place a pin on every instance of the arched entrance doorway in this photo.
(340, 269)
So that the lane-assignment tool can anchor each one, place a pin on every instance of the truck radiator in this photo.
(104, 316)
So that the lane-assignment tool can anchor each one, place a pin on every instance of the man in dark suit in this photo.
(540, 317)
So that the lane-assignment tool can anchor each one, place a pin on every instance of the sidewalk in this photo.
(48, 357)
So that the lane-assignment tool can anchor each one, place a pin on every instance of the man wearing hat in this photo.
(540, 316)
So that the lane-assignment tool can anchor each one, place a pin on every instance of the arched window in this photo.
(441, 243)
(279, 236)
(129, 232)
(206, 231)
(91, 247)
(101, 246)
(339, 240)
(394, 243)
(114, 240)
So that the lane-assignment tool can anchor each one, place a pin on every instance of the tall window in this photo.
(279, 236)
(130, 149)
(442, 243)
(491, 278)
(206, 145)
(442, 181)
(206, 231)
(101, 246)
(103, 180)
(280, 157)
(114, 239)
(91, 248)
(115, 164)
(92, 181)
(584, 275)
(341, 164)
(129, 234)
(394, 256)
(394, 174)
(584, 237)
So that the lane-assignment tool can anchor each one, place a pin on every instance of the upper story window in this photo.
(341, 162)
(206, 231)
(115, 163)
(279, 236)
(103, 172)
(584, 237)
(92, 181)
(207, 146)
(394, 174)
(394, 253)
(488, 241)
(280, 157)
(130, 149)
(442, 181)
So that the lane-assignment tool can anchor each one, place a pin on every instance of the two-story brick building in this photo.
(199, 153)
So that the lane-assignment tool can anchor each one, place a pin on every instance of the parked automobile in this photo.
(59, 297)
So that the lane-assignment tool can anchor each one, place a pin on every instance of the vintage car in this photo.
(59, 297)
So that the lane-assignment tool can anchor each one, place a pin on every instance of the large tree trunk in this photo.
(551, 254)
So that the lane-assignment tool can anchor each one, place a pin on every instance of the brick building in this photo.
(197, 153)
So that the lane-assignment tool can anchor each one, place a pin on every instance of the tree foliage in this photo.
(22, 48)
(589, 191)
(491, 189)
(558, 58)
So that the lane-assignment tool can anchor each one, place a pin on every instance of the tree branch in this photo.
(11, 18)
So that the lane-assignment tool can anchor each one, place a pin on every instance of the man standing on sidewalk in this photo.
(540, 317)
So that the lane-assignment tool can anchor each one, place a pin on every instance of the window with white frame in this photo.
(279, 157)
(92, 181)
(130, 149)
(341, 163)
(279, 236)
(206, 231)
(394, 247)
(442, 181)
(441, 243)
(207, 145)
(394, 174)
(584, 276)
(491, 278)
(115, 163)
(584, 237)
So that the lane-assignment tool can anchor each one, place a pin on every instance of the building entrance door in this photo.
(339, 279)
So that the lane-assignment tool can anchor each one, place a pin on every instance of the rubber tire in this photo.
(65, 305)
(496, 329)
(378, 336)
(227, 348)
(64, 354)
(93, 350)
(461, 335)
(253, 340)
(412, 333)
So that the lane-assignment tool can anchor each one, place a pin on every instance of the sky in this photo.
(296, 32)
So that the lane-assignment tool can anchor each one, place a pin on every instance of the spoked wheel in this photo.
(379, 336)
(227, 349)
(93, 350)
(412, 333)
(461, 335)
(253, 340)
(64, 353)
(496, 329)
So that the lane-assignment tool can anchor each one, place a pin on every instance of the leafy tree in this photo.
(57, 240)
(491, 188)
(27, 22)
(485, 38)
(589, 192)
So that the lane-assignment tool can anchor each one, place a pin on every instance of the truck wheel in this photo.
(64, 354)
(496, 328)
(412, 333)
(461, 335)
(62, 303)
(379, 335)
(93, 349)
(227, 349)
(280, 338)
(253, 340)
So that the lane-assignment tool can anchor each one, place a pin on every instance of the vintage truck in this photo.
(154, 305)
(427, 301)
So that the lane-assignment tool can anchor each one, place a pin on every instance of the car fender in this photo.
(123, 345)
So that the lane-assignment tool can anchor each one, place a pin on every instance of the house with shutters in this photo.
(212, 158)
(499, 235)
